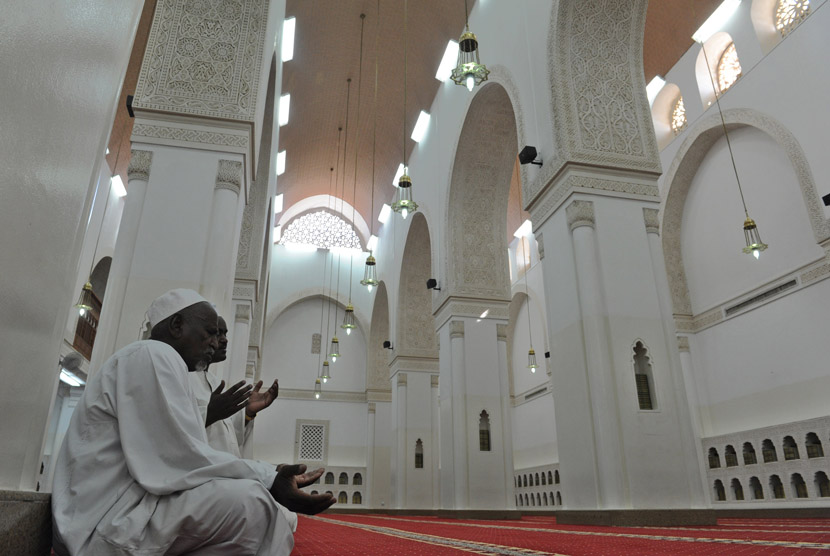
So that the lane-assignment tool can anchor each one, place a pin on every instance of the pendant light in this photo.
(754, 245)
(325, 374)
(469, 71)
(403, 202)
(348, 319)
(370, 273)
(318, 389)
(334, 351)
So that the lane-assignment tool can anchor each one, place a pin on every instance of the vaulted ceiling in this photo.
(327, 53)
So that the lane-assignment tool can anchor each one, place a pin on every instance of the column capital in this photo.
(401, 379)
(372, 408)
(433, 381)
(580, 213)
(501, 332)
(229, 175)
(651, 217)
(683, 343)
(540, 245)
(242, 313)
(457, 329)
(140, 162)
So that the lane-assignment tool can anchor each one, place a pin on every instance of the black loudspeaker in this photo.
(130, 106)
(432, 284)
(528, 156)
(547, 355)
(826, 200)
(387, 344)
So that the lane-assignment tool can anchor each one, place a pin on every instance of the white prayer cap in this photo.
(171, 303)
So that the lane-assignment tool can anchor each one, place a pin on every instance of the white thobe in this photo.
(136, 475)
(230, 435)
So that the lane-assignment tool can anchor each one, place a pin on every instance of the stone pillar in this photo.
(455, 430)
(435, 412)
(237, 362)
(370, 456)
(601, 381)
(401, 463)
(506, 408)
(223, 236)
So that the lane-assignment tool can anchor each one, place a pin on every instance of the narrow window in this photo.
(538, 499)
(357, 479)
(357, 498)
(731, 456)
(526, 502)
(643, 377)
(714, 458)
(313, 492)
(552, 500)
(518, 501)
(768, 451)
(799, 486)
(419, 454)
(790, 448)
(484, 432)
(343, 479)
(342, 498)
(749, 454)
(729, 68)
(558, 499)
(556, 477)
(537, 479)
(737, 489)
(550, 478)
(814, 449)
(822, 484)
(720, 492)
(678, 116)
(777, 486)
(543, 478)
(545, 499)
(756, 488)
(329, 478)
(524, 480)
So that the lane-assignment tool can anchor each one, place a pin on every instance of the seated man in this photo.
(136, 475)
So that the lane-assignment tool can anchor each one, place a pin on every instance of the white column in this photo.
(459, 416)
(436, 442)
(370, 456)
(138, 174)
(601, 382)
(223, 236)
(237, 362)
(399, 488)
(507, 430)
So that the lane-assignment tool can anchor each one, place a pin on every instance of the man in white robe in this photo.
(136, 475)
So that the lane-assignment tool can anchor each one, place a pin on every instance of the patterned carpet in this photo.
(352, 535)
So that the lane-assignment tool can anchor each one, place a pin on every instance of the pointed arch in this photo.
(377, 371)
(415, 330)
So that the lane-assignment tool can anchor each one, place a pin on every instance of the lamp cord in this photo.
(357, 146)
(525, 243)
(374, 129)
(404, 84)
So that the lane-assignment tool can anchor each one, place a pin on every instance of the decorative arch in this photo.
(99, 276)
(317, 292)
(415, 331)
(478, 196)
(681, 174)
(332, 204)
(377, 378)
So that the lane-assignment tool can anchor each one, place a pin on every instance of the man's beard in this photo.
(201, 366)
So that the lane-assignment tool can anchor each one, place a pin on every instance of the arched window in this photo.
(532, 500)
(729, 69)
(768, 451)
(526, 502)
(343, 479)
(357, 479)
(799, 486)
(538, 499)
(737, 489)
(537, 479)
(419, 454)
(357, 498)
(329, 478)
(822, 484)
(678, 119)
(730, 456)
(544, 479)
(524, 480)
(749, 454)
(321, 229)
(777, 486)
(789, 14)
(552, 500)
(790, 448)
(756, 488)
(720, 492)
(313, 492)
(714, 458)
(643, 377)
(329, 492)
(518, 500)
(556, 477)
(558, 499)
(550, 478)
(484, 432)
(342, 498)
(545, 499)
(814, 449)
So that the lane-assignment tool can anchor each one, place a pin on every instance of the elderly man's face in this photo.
(199, 338)
(221, 352)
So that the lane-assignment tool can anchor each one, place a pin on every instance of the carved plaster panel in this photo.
(229, 175)
(580, 213)
(140, 162)
(540, 245)
(372, 407)
(401, 380)
(152, 133)
(651, 217)
(243, 313)
(244, 290)
(682, 172)
(601, 114)
(683, 343)
(328, 395)
(433, 381)
(457, 329)
(460, 307)
(204, 58)
(416, 328)
(501, 332)
(413, 364)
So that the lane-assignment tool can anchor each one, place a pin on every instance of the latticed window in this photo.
(419, 454)
(737, 489)
(768, 451)
(358, 479)
(731, 456)
(757, 489)
(729, 68)
(799, 486)
(343, 479)
(484, 432)
(329, 478)
(678, 116)
(749, 454)
(321, 229)
(311, 442)
(720, 492)
(790, 448)
(823, 484)
(789, 14)
(342, 498)
(814, 449)
(642, 376)
(357, 498)
(777, 486)
(714, 458)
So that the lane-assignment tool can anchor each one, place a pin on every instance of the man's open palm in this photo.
(260, 400)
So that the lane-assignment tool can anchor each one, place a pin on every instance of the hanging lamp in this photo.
(318, 389)
(348, 319)
(334, 351)
(754, 245)
(84, 303)
(469, 71)
(531, 360)
(325, 374)
(370, 273)
(403, 201)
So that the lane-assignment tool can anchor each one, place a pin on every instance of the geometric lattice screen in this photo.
(311, 441)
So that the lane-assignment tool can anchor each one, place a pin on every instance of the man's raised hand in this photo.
(261, 400)
(224, 404)
(286, 490)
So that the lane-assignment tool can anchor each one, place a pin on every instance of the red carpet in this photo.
(351, 535)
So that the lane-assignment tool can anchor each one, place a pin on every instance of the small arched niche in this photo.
(711, 64)
(669, 114)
